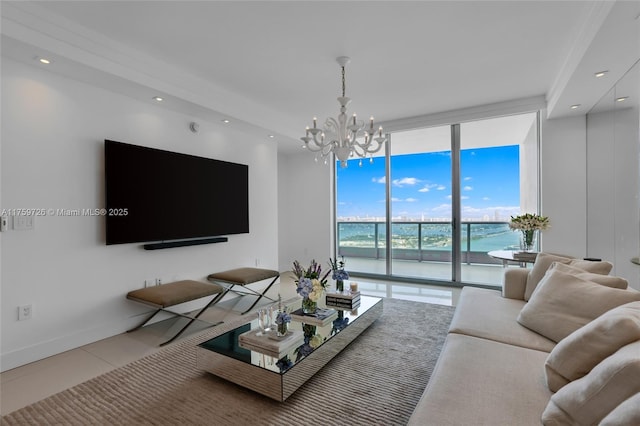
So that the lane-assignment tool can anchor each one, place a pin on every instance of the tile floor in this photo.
(32, 382)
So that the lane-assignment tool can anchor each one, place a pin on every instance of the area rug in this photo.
(377, 380)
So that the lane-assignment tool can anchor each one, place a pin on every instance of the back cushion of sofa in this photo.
(563, 303)
(588, 400)
(577, 354)
(545, 260)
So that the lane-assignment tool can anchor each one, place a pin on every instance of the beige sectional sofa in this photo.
(495, 371)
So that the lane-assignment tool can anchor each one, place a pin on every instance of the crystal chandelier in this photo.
(345, 138)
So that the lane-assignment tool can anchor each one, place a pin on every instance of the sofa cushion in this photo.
(582, 350)
(481, 382)
(606, 280)
(545, 260)
(624, 414)
(590, 399)
(485, 313)
(563, 302)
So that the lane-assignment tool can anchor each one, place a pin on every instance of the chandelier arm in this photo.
(366, 147)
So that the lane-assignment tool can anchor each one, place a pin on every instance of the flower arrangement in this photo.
(339, 323)
(311, 341)
(528, 223)
(284, 363)
(338, 269)
(310, 284)
(282, 319)
(339, 274)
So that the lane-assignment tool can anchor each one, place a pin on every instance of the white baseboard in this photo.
(60, 344)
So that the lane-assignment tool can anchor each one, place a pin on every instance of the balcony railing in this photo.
(425, 241)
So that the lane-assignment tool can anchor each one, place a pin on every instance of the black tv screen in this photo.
(157, 195)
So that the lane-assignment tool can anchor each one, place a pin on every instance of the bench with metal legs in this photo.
(242, 277)
(164, 296)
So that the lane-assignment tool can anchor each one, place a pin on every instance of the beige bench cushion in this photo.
(170, 294)
(243, 276)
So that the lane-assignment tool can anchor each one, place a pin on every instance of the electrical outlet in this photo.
(25, 312)
(4, 223)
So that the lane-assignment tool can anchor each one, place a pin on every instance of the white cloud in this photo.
(468, 188)
(442, 208)
(441, 188)
(404, 200)
(383, 179)
(468, 178)
(405, 181)
(428, 187)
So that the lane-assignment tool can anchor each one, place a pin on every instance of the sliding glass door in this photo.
(420, 199)
(498, 179)
(440, 198)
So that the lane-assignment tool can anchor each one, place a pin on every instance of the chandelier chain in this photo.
(343, 83)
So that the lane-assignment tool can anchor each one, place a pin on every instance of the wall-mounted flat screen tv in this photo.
(157, 195)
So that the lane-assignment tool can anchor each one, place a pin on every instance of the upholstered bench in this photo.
(242, 277)
(164, 296)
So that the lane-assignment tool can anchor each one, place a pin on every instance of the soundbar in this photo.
(183, 243)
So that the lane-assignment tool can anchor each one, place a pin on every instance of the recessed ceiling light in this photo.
(44, 61)
(622, 99)
(271, 136)
(601, 73)
(226, 121)
(158, 98)
(576, 106)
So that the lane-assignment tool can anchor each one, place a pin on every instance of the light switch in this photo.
(23, 223)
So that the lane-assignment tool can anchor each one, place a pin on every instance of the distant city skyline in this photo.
(421, 186)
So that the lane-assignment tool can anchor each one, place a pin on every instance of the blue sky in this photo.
(421, 185)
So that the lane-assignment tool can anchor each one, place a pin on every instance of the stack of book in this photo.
(321, 318)
(345, 301)
(268, 344)
(525, 256)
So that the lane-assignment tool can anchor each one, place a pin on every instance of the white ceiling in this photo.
(270, 66)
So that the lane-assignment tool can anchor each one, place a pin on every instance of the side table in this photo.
(507, 256)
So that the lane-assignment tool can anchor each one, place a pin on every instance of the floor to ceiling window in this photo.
(440, 198)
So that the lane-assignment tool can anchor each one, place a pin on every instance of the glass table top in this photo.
(302, 340)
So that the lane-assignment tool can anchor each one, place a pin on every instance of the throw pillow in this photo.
(540, 266)
(582, 350)
(545, 260)
(563, 303)
(624, 414)
(588, 400)
(607, 280)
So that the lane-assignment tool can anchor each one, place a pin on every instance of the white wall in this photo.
(52, 157)
(589, 190)
(613, 188)
(563, 185)
(306, 210)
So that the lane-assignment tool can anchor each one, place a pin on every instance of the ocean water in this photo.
(435, 236)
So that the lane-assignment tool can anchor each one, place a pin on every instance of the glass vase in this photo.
(528, 240)
(339, 286)
(282, 329)
(309, 306)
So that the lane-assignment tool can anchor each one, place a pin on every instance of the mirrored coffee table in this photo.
(280, 376)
